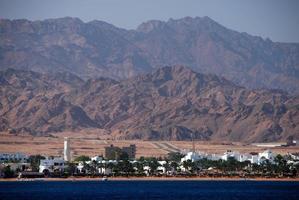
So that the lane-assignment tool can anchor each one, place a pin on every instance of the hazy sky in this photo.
(275, 19)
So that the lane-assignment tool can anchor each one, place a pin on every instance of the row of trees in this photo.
(280, 167)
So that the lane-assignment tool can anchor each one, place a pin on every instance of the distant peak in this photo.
(150, 25)
(102, 24)
(192, 20)
(65, 20)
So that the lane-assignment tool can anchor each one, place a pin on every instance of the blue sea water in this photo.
(166, 190)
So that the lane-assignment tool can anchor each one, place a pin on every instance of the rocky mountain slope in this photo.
(171, 103)
(97, 49)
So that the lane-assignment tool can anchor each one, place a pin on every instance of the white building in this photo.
(8, 157)
(146, 170)
(67, 150)
(162, 168)
(231, 154)
(97, 158)
(294, 156)
(52, 165)
(102, 165)
(254, 159)
(269, 145)
(193, 156)
(213, 157)
(266, 155)
(80, 167)
(257, 158)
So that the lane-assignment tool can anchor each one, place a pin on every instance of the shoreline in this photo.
(149, 179)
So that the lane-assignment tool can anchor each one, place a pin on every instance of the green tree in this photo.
(174, 156)
(82, 158)
(281, 165)
(71, 168)
(141, 159)
(189, 165)
(113, 167)
(153, 164)
(34, 161)
(125, 167)
(167, 166)
(231, 164)
(87, 168)
(93, 167)
(139, 166)
(8, 173)
(174, 166)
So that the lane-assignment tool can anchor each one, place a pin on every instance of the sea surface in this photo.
(166, 190)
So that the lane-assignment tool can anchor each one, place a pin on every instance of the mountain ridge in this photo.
(171, 103)
(96, 48)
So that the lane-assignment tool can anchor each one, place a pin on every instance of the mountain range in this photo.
(98, 49)
(170, 103)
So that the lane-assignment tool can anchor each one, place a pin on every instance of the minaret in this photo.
(193, 143)
(67, 150)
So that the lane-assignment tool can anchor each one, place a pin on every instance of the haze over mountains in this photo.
(172, 103)
(97, 49)
(63, 74)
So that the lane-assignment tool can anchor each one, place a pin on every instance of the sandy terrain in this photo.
(93, 144)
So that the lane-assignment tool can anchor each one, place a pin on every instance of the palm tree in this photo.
(139, 166)
(189, 165)
(112, 167)
(167, 166)
(93, 167)
(153, 164)
(174, 166)
(71, 168)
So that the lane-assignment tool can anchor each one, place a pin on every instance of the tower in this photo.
(67, 150)
(193, 142)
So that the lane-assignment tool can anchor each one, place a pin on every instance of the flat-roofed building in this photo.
(114, 153)
(130, 150)
(13, 157)
(52, 165)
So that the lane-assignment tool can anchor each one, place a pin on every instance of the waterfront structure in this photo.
(13, 157)
(30, 174)
(19, 166)
(67, 150)
(50, 165)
